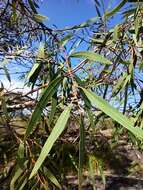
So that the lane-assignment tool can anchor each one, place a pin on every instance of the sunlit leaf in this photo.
(56, 132)
(46, 96)
(91, 56)
(40, 18)
(41, 53)
(117, 33)
(113, 113)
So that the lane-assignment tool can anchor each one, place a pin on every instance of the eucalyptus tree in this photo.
(72, 86)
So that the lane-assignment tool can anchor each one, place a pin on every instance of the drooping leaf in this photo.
(81, 151)
(113, 113)
(31, 75)
(65, 39)
(35, 70)
(21, 181)
(116, 9)
(56, 132)
(23, 184)
(7, 74)
(15, 177)
(52, 178)
(91, 56)
(46, 96)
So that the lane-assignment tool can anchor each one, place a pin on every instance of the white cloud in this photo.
(15, 86)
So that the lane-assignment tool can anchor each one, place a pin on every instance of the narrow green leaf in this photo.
(89, 21)
(15, 177)
(113, 113)
(138, 25)
(101, 170)
(20, 154)
(92, 168)
(33, 71)
(91, 56)
(56, 132)
(4, 62)
(81, 152)
(41, 51)
(121, 84)
(52, 178)
(125, 98)
(65, 39)
(7, 74)
(117, 33)
(73, 160)
(40, 18)
(116, 9)
(23, 184)
(48, 93)
(32, 6)
(20, 151)
(22, 181)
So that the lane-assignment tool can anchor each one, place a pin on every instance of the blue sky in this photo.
(71, 12)
(64, 13)
(67, 12)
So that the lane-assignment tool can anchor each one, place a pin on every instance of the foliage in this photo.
(83, 87)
